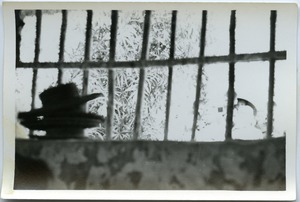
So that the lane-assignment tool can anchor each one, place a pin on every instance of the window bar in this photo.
(199, 75)
(245, 57)
(138, 112)
(63, 29)
(230, 93)
(111, 79)
(170, 76)
(88, 34)
(38, 14)
(19, 25)
(273, 17)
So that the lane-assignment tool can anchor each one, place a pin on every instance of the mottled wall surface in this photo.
(84, 164)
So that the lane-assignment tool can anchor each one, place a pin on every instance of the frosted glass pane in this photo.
(50, 36)
(213, 108)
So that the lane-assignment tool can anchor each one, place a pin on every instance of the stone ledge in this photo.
(85, 164)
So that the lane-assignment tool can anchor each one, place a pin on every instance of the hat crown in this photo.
(59, 94)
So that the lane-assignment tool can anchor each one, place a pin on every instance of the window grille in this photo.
(271, 56)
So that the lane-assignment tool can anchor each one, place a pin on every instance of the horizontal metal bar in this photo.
(266, 56)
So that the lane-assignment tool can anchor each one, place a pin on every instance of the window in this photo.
(166, 75)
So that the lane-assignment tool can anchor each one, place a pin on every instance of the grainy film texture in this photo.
(145, 83)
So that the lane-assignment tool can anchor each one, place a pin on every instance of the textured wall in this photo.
(84, 164)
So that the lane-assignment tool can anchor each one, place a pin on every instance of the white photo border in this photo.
(9, 114)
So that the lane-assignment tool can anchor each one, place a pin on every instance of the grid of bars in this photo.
(272, 55)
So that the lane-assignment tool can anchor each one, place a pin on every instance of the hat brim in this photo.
(88, 121)
(49, 137)
(66, 104)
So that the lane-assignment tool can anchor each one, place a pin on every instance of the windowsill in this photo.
(90, 164)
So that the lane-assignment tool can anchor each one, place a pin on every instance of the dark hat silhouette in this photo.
(64, 96)
(63, 112)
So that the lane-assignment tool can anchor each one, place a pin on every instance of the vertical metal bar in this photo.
(19, 25)
(273, 17)
(88, 34)
(138, 112)
(199, 74)
(170, 76)
(111, 79)
(38, 14)
(230, 93)
(63, 29)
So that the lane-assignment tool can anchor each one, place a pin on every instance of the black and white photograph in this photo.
(155, 97)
